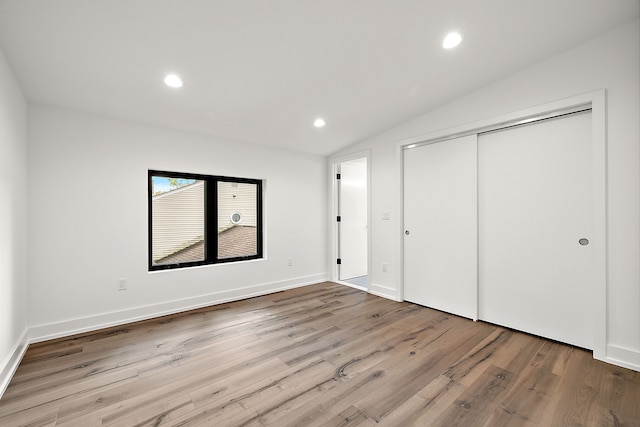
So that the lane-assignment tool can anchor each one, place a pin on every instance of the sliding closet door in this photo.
(440, 219)
(535, 227)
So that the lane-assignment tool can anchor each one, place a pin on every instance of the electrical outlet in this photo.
(122, 284)
(384, 267)
(290, 262)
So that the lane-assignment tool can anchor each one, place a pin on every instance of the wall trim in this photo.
(69, 327)
(11, 364)
(622, 356)
(384, 292)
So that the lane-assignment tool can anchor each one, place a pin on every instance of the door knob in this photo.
(583, 241)
(406, 232)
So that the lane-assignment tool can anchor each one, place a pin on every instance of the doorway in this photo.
(352, 222)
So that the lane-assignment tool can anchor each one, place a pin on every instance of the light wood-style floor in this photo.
(322, 355)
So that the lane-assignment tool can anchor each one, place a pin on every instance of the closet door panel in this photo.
(535, 206)
(440, 219)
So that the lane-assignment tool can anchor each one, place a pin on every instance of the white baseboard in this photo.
(384, 292)
(86, 324)
(624, 357)
(11, 364)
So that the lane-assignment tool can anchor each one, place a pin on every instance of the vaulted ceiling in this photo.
(262, 71)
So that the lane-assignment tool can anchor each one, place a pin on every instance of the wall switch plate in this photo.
(386, 215)
(122, 284)
(290, 262)
(384, 267)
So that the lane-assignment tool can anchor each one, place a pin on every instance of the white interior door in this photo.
(440, 219)
(535, 204)
(353, 215)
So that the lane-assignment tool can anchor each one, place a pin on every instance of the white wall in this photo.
(610, 62)
(13, 222)
(88, 220)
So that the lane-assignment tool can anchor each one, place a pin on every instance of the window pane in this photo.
(237, 219)
(177, 220)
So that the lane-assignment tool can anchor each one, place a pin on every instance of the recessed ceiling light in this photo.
(319, 123)
(451, 40)
(173, 81)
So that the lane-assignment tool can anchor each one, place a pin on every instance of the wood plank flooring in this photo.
(321, 355)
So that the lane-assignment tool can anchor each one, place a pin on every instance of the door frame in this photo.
(597, 102)
(333, 213)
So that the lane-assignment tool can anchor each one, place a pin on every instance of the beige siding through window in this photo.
(178, 219)
(236, 197)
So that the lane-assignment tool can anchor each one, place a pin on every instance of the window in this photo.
(201, 219)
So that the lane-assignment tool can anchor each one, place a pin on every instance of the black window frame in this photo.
(210, 219)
